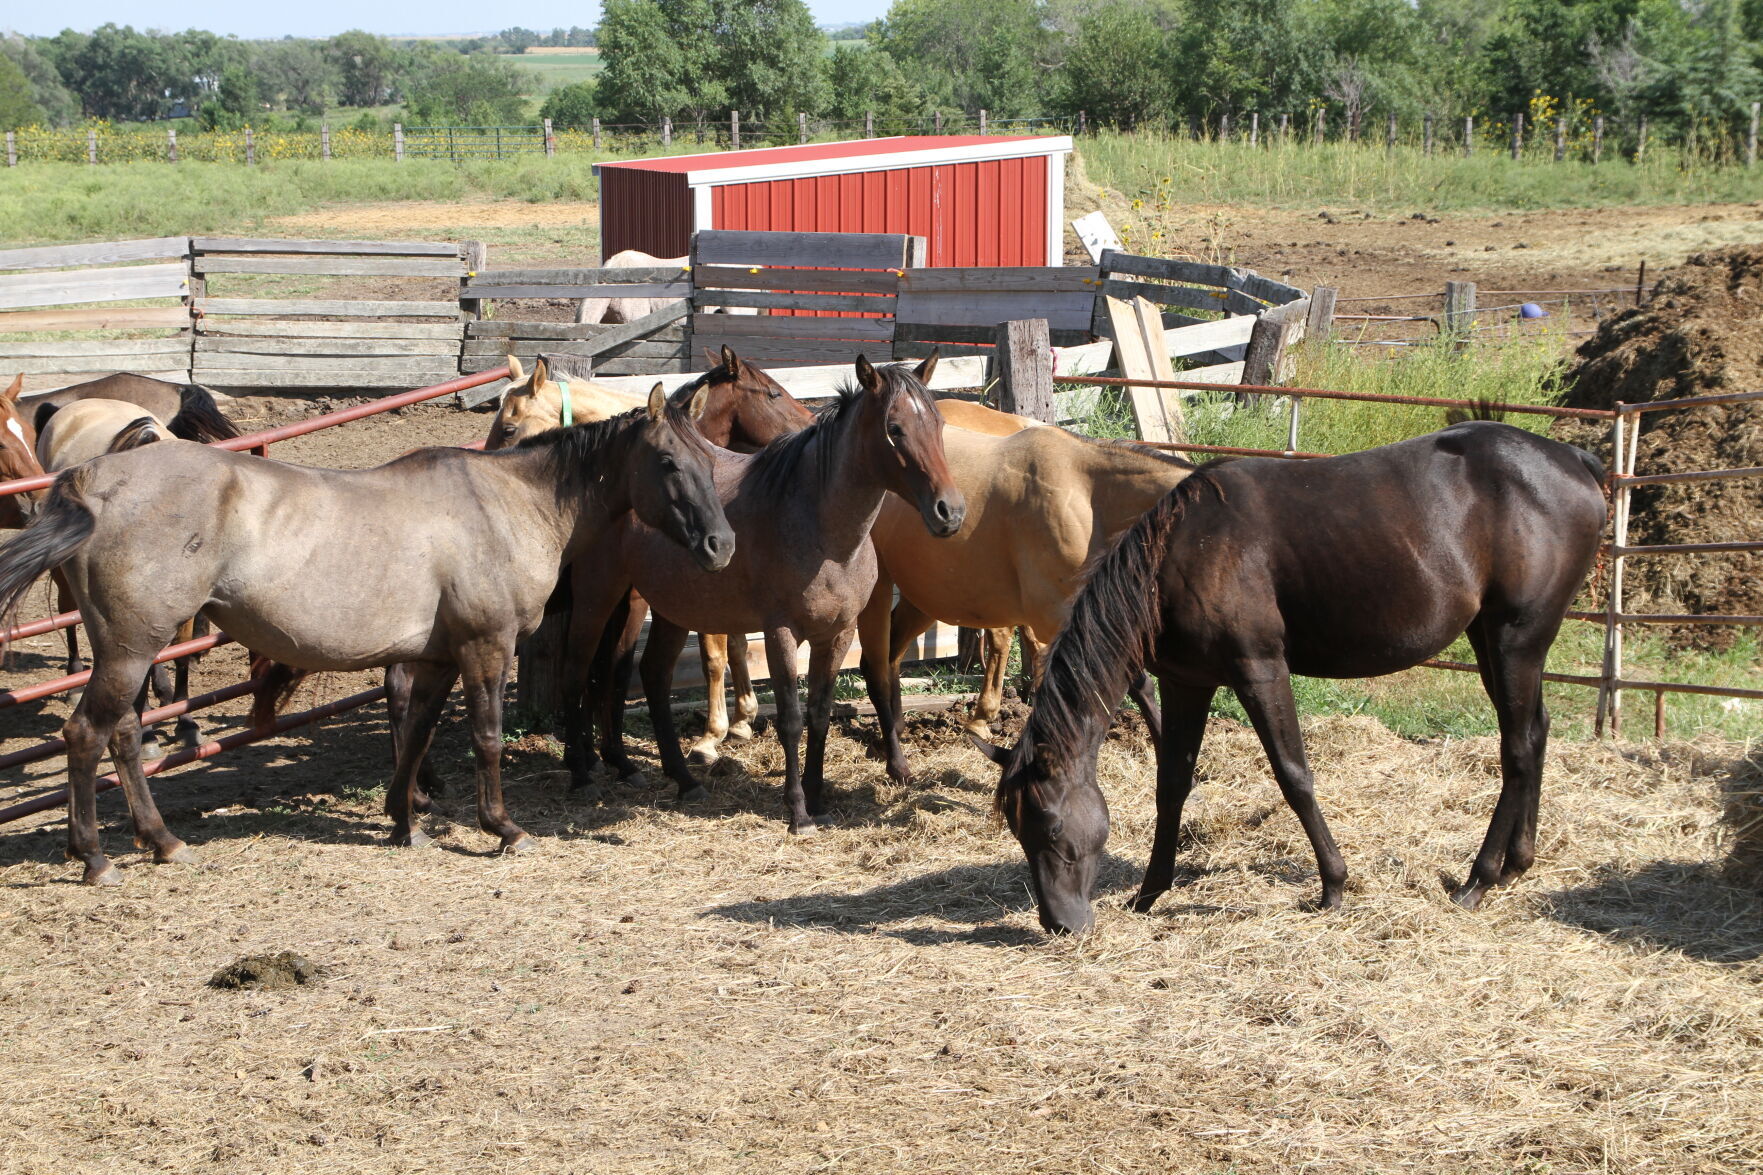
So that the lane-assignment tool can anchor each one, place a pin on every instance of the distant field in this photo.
(556, 67)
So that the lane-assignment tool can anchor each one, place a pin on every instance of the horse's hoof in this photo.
(809, 829)
(109, 875)
(520, 846)
(703, 755)
(741, 731)
(979, 726)
(824, 820)
(189, 734)
(183, 854)
(1468, 895)
(151, 750)
(416, 838)
(693, 795)
(1142, 902)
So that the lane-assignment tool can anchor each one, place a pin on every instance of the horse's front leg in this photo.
(666, 641)
(187, 731)
(614, 686)
(780, 659)
(594, 605)
(484, 668)
(713, 655)
(824, 660)
(746, 701)
(881, 676)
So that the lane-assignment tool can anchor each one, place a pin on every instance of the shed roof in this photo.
(833, 158)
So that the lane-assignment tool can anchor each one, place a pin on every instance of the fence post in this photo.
(1609, 697)
(1265, 356)
(1224, 127)
(550, 140)
(982, 120)
(1426, 134)
(1319, 321)
(1518, 135)
(398, 141)
(802, 128)
(1468, 135)
(1751, 138)
(939, 122)
(1080, 122)
(91, 145)
(595, 125)
(1597, 138)
(476, 258)
(1389, 138)
(171, 144)
(1284, 126)
(1254, 128)
(1023, 367)
(666, 131)
(1640, 141)
(324, 140)
(11, 149)
(1560, 137)
(869, 124)
(1321, 123)
(1459, 307)
(250, 148)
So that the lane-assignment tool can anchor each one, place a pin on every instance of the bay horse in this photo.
(162, 398)
(441, 559)
(18, 457)
(1353, 566)
(801, 509)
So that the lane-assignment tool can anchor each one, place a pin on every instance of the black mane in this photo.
(576, 455)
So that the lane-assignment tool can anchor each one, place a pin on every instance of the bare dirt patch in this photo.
(400, 217)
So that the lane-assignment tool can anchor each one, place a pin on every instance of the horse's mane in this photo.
(575, 456)
(682, 395)
(1161, 455)
(777, 468)
(1109, 634)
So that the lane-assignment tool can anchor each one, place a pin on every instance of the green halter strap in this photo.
(568, 410)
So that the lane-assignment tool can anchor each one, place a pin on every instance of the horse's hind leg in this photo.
(416, 693)
(1184, 721)
(618, 656)
(666, 641)
(186, 730)
(823, 675)
(150, 829)
(107, 698)
(484, 669)
(713, 655)
(1267, 696)
(881, 677)
(746, 700)
(780, 659)
(1511, 660)
(64, 602)
(991, 693)
(400, 684)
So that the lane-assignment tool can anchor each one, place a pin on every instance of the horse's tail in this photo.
(60, 528)
(44, 412)
(143, 430)
(277, 690)
(1482, 409)
(199, 417)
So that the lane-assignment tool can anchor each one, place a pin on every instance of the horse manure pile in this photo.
(1700, 334)
(267, 972)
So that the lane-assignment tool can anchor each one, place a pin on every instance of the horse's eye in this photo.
(776, 395)
(896, 431)
(1055, 829)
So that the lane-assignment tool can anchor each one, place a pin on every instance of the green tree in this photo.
(867, 80)
(770, 57)
(297, 75)
(973, 54)
(119, 73)
(1118, 67)
(18, 107)
(571, 106)
(57, 103)
(475, 91)
(364, 64)
(235, 102)
(659, 61)
(517, 39)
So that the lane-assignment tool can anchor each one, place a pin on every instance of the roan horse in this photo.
(345, 569)
(1352, 566)
(801, 509)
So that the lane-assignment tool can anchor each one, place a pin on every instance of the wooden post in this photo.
(1080, 122)
(666, 131)
(398, 141)
(982, 120)
(171, 144)
(1389, 137)
(250, 147)
(1254, 129)
(1751, 137)
(1285, 126)
(1560, 137)
(596, 129)
(1319, 322)
(1597, 138)
(869, 124)
(11, 149)
(543, 664)
(1640, 141)
(802, 128)
(1459, 307)
(1321, 123)
(476, 258)
(1468, 135)
(550, 140)
(1426, 134)
(734, 129)
(1224, 127)
(1264, 359)
(1518, 135)
(1024, 368)
(91, 145)
(939, 122)
(324, 140)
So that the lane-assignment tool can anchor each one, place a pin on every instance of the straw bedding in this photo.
(660, 990)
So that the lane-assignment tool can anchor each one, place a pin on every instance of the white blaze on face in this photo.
(14, 429)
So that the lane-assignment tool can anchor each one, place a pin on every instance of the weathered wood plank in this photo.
(560, 330)
(920, 332)
(638, 348)
(764, 300)
(94, 347)
(1269, 290)
(1002, 279)
(1023, 366)
(1168, 269)
(333, 266)
(638, 275)
(93, 285)
(1068, 311)
(814, 383)
(1237, 302)
(1208, 336)
(648, 367)
(365, 377)
(1217, 373)
(327, 307)
(326, 363)
(52, 380)
(795, 327)
(56, 364)
(921, 349)
(276, 245)
(97, 318)
(232, 345)
(808, 250)
(1191, 297)
(822, 281)
(476, 288)
(765, 351)
(102, 253)
(296, 329)
(1134, 350)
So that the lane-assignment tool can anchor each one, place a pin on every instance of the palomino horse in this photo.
(442, 558)
(801, 508)
(1353, 566)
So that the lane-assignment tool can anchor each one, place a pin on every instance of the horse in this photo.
(801, 509)
(1042, 503)
(1353, 566)
(18, 456)
(442, 559)
(537, 402)
(159, 397)
(592, 310)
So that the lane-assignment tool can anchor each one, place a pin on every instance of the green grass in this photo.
(1293, 175)
(553, 70)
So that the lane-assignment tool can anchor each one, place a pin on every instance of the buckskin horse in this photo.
(442, 559)
(1353, 566)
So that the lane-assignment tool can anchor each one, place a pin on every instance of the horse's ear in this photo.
(923, 371)
(700, 398)
(11, 393)
(657, 402)
(541, 374)
(730, 360)
(989, 749)
(516, 373)
(867, 376)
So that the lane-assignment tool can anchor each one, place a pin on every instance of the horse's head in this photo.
(18, 456)
(747, 409)
(1060, 819)
(671, 487)
(908, 447)
(531, 405)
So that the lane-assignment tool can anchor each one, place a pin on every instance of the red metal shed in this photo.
(978, 199)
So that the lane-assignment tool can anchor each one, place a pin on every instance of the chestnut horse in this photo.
(441, 559)
(1354, 566)
(18, 457)
(804, 568)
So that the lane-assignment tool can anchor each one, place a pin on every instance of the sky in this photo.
(323, 18)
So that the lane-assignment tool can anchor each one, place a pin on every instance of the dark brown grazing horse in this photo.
(801, 509)
(1353, 566)
(160, 397)
(441, 559)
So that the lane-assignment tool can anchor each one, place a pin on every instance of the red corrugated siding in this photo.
(646, 210)
(991, 212)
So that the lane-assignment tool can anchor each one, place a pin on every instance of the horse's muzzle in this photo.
(714, 550)
(945, 514)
